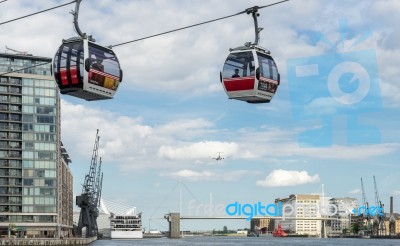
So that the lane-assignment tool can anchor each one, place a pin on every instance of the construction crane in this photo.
(392, 220)
(99, 184)
(89, 200)
(379, 227)
(367, 219)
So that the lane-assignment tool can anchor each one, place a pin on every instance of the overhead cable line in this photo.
(248, 10)
(164, 200)
(39, 12)
(155, 35)
(198, 24)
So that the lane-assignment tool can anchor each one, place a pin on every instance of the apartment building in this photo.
(35, 179)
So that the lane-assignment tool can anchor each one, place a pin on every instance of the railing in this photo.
(11, 165)
(15, 155)
(15, 193)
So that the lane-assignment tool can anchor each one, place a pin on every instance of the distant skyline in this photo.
(170, 115)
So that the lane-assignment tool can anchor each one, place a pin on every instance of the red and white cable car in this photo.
(84, 69)
(250, 73)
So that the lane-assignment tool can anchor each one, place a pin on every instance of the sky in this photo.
(332, 121)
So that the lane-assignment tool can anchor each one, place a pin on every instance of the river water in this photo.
(224, 240)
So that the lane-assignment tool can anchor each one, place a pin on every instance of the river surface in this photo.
(224, 240)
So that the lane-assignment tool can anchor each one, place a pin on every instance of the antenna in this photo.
(18, 52)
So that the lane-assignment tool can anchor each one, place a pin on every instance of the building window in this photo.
(15, 117)
(40, 173)
(27, 118)
(45, 119)
(28, 182)
(3, 116)
(49, 182)
(15, 99)
(15, 81)
(28, 127)
(47, 155)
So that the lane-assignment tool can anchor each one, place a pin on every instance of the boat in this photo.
(126, 226)
(279, 232)
(262, 232)
(266, 234)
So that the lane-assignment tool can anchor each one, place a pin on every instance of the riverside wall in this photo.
(47, 241)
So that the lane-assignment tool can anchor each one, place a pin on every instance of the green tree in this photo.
(355, 228)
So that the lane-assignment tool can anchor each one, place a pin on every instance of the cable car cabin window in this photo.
(242, 62)
(268, 73)
(66, 71)
(104, 68)
(76, 71)
(267, 67)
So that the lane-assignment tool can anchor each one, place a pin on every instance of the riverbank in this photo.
(47, 241)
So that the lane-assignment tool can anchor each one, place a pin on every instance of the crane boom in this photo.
(364, 197)
(89, 200)
(379, 223)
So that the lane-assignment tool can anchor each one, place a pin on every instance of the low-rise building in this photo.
(262, 225)
(341, 209)
(303, 209)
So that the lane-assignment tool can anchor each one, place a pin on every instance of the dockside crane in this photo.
(97, 195)
(99, 184)
(366, 216)
(89, 200)
(379, 219)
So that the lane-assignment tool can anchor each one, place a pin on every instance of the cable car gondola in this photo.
(250, 73)
(84, 69)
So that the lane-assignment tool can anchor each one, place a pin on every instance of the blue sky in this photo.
(171, 114)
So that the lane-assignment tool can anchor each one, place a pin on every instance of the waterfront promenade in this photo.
(47, 241)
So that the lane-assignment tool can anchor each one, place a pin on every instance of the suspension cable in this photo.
(155, 35)
(248, 11)
(39, 12)
(198, 24)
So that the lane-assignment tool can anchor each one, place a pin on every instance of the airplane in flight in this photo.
(219, 157)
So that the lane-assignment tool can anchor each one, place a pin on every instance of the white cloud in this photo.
(355, 191)
(208, 175)
(279, 178)
(131, 144)
(321, 106)
(395, 192)
(197, 150)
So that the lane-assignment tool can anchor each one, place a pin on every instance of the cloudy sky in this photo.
(332, 121)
